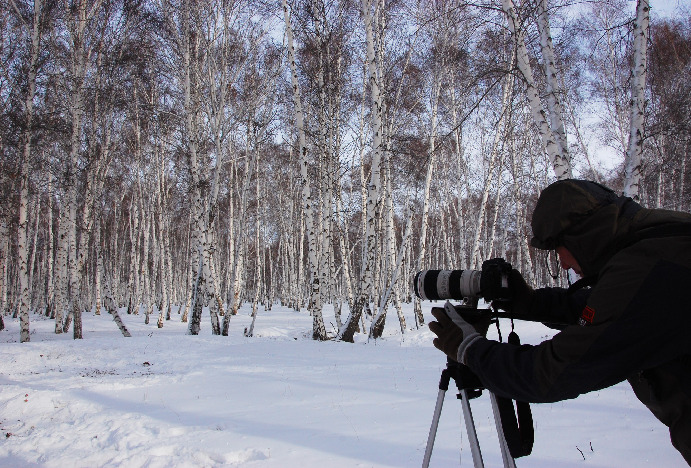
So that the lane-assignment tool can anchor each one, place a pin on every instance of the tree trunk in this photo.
(553, 88)
(25, 170)
(4, 261)
(315, 306)
(347, 332)
(377, 327)
(560, 161)
(632, 165)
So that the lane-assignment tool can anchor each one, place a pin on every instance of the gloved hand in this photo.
(521, 296)
(454, 334)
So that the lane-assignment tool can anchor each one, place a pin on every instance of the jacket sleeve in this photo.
(557, 307)
(628, 330)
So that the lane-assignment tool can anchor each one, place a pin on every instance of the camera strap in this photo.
(517, 424)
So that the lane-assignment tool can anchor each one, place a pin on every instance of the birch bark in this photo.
(422, 252)
(61, 270)
(240, 238)
(347, 332)
(203, 292)
(112, 308)
(164, 244)
(48, 253)
(32, 255)
(81, 16)
(315, 306)
(553, 87)
(25, 170)
(632, 170)
(560, 161)
(98, 251)
(4, 260)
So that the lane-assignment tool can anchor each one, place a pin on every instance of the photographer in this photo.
(632, 323)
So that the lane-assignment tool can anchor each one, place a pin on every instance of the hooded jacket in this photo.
(632, 324)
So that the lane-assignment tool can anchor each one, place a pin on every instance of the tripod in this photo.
(470, 387)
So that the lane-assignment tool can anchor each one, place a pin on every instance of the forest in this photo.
(178, 158)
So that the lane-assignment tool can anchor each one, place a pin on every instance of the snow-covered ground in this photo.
(166, 399)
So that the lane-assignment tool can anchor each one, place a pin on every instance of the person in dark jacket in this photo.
(633, 323)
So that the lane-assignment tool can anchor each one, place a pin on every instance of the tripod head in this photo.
(464, 378)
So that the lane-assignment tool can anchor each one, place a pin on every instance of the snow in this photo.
(163, 398)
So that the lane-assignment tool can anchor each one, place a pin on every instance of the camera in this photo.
(490, 283)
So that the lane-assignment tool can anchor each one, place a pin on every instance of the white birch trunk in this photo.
(460, 172)
(390, 264)
(417, 308)
(190, 277)
(163, 243)
(560, 162)
(25, 170)
(4, 260)
(80, 57)
(146, 253)
(133, 284)
(48, 253)
(493, 229)
(203, 289)
(99, 266)
(318, 329)
(249, 332)
(231, 242)
(347, 332)
(32, 254)
(72, 277)
(377, 327)
(112, 308)
(345, 259)
(553, 88)
(632, 168)
(22, 247)
(238, 248)
(61, 270)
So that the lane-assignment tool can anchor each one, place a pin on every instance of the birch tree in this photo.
(33, 51)
(374, 80)
(239, 237)
(438, 71)
(190, 26)
(4, 261)
(315, 306)
(632, 165)
(552, 81)
(548, 135)
(81, 22)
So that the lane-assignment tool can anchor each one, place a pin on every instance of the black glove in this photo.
(455, 334)
(521, 296)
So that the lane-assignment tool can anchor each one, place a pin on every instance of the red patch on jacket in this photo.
(587, 316)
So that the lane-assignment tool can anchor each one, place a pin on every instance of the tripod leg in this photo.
(470, 429)
(508, 460)
(433, 429)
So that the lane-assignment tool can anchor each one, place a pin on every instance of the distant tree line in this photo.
(179, 158)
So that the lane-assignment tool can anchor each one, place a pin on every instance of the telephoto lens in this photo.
(432, 285)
